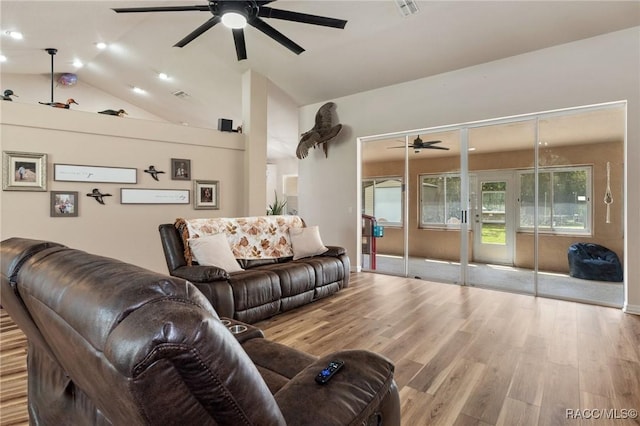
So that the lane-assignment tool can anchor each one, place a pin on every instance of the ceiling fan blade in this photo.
(204, 8)
(276, 35)
(431, 142)
(436, 147)
(197, 32)
(241, 47)
(267, 12)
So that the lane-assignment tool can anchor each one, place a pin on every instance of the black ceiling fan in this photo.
(419, 144)
(236, 14)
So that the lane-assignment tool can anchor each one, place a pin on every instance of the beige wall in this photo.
(127, 232)
(445, 244)
(562, 76)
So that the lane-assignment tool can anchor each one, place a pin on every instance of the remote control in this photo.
(327, 373)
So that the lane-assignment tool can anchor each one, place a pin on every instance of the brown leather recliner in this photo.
(114, 344)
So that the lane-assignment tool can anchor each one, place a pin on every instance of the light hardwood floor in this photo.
(463, 355)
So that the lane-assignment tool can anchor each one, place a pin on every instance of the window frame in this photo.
(437, 225)
(557, 230)
(375, 180)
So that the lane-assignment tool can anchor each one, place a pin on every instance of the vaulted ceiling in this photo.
(378, 47)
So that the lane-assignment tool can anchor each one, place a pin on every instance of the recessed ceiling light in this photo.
(78, 63)
(472, 149)
(3, 58)
(16, 35)
(138, 90)
(163, 76)
(101, 45)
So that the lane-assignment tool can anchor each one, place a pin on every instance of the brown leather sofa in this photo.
(266, 287)
(114, 344)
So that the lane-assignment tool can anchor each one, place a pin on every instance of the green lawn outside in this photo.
(494, 233)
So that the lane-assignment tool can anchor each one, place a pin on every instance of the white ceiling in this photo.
(377, 48)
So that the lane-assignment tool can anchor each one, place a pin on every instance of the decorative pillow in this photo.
(306, 242)
(214, 250)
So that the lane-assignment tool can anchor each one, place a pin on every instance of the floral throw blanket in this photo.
(258, 237)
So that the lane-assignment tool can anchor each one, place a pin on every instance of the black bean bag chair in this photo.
(594, 262)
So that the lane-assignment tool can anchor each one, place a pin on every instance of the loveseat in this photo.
(277, 263)
(110, 343)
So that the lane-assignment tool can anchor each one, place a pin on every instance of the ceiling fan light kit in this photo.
(237, 14)
(234, 20)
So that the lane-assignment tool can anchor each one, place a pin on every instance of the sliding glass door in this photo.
(526, 204)
(499, 257)
(435, 228)
(580, 180)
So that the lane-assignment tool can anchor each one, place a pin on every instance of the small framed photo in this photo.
(180, 169)
(64, 204)
(206, 194)
(24, 171)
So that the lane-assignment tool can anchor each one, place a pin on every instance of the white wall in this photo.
(126, 232)
(32, 89)
(591, 71)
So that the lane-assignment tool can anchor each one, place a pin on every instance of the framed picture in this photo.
(154, 196)
(64, 204)
(180, 169)
(24, 171)
(206, 194)
(99, 174)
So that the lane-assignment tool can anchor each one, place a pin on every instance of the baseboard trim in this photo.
(631, 309)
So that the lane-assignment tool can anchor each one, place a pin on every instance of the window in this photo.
(564, 200)
(440, 200)
(382, 199)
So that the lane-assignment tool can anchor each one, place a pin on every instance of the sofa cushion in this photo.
(256, 294)
(214, 250)
(306, 242)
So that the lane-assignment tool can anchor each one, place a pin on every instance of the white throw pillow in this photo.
(306, 242)
(214, 250)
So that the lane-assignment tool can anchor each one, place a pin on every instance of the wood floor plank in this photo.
(463, 355)
(518, 413)
(486, 399)
(561, 392)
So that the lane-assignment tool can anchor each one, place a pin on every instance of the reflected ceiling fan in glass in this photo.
(236, 15)
(418, 145)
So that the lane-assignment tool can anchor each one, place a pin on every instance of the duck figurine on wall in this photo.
(153, 172)
(97, 195)
(8, 94)
(118, 113)
(60, 104)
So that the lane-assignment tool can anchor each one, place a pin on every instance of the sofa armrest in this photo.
(201, 274)
(353, 396)
(334, 251)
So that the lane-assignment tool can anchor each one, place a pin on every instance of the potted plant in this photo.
(277, 207)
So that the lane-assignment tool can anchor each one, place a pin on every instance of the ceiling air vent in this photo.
(407, 7)
(180, 94)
